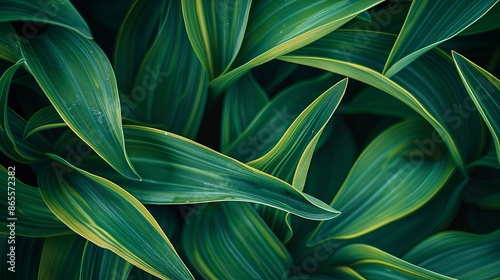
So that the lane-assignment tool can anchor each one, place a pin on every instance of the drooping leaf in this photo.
(435, 92)
(108, 216)
(45, 118)
(278, 27)
(84, 94)
(459, 254)
(429, 23)
(9, 43)
(61, 257)
(484, 91)
(5, 81)
(393, 177)
(33, 217)
(35, 14)
(100, 263)
(216, 30)
(230, 240)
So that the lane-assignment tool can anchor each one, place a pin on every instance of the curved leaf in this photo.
(391, 178)
(459, 254)
(35, 14)
(429, 85)
(429, 23)
(279, 27)
(45, 118)
(216, 30)
(61, 257)
(9, 43)
(231, 241)
(108, 216)
(33, 217)
(28, 253)
(84, 94)
(99, 263)
(486, 23)
(484, 90)
(5, 81)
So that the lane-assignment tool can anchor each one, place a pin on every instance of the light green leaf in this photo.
(231, 241)
(9, 43)
(216, 30)
(61, 257)
(35, 14)
(99, 263)
(278, 27)
(484, 90)
(372, 263)
(435, 92)
(429, 23)
(45, 118)
(171, 99)
(459, 254)
(242, 102)
(393, 177)
(108, 216)
(34, 218)
(84, 94)
(176, 170)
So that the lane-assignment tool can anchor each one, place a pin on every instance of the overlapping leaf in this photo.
(429, 23)
(230, 240)
(108, 216)
(484, 91)
(77, 77)
(61, 257)
(393, 177)
(99, 263)
(9, 43)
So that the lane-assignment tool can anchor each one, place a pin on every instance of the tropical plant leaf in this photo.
(33, 217)
(173, 175)
(230, 240)
(27, 252)
(486, 23)
(108, 216)
(387, 182)
(442, 104)
(278, 27)
(9, 43)
(372, 263)
(216, 30)
(43, 119)
(242, 102)
(35, 14)
(484, 90)
(459, 254)
(61, 257)
(429, 23)
(5, 81)
(99, 263)
(84, 94)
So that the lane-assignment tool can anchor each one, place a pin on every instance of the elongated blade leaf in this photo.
(33, 217)
(5, 81)
(429, 23)
(435, 93)
(216, 30)
(9, 43)
(392, 178)
(84, 94)
(61, 257)
(35, 14)
(279, 27)
(45, 118)
(99, 263)
(108, 216)
(230, 240)
(459, 254)
(484, 90)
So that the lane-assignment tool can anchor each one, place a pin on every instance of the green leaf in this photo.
(34, 218)
(435, 92)
(486, 23)
(84, 94)
(28, 252)
(99, 263)
(170, 99)
(216, 30)
(176, 170)
(61, 257)
(35, 14)
(5, 81)
(484, 90)
(9, 43)
(231, 241)
(242, 103)
(43, 119)
(459, 254)
(393, 177)
(429, 23)
(108, 216)
(278, 27)
(372, 263)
